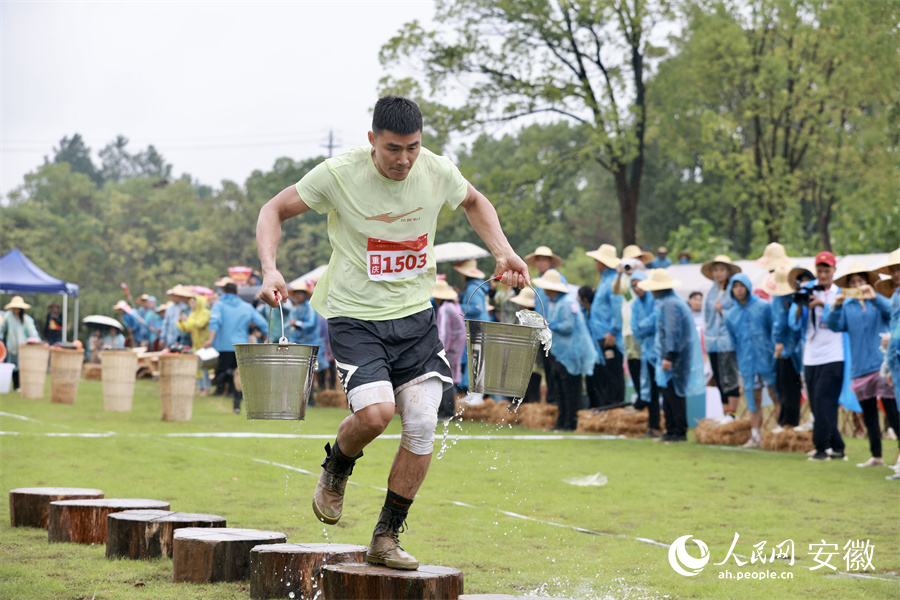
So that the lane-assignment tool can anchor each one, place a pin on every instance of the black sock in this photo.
(340, 461)
(397, 504)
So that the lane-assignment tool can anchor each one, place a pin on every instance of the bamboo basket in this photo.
(118, 373)
(177, 381)
(33, 360)
(65, 373)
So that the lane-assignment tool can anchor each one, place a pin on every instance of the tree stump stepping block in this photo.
(204, 555)
(84, 521)
(366, 581)
(504, 597)
(30, 507)
(295, 570)
(149, 533)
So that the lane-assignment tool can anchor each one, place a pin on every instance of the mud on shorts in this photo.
(401, 352)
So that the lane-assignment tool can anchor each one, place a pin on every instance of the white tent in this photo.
(313, 276)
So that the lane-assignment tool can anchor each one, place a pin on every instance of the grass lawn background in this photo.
(461, 517)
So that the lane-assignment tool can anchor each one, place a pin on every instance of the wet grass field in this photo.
(495, 505)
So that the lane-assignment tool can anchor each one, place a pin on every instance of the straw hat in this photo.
(302, 287)
(706, 269)
(17, 302)
(775, 256)
(469, 269)
(605, 254)
(164, 307)
(885, 287)
(779, 282)
(797, 272)
(658, 280)
(143, 297)
(662, 250)
(893, 261)
(443, 291)
(524, 298)
(222, 281)
(555, 260)
(856, 268)
(551, 281)
(181, 291)
(122, 305)
(634, 251)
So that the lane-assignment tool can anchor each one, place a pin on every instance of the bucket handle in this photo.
(536, 295)
(283, 339)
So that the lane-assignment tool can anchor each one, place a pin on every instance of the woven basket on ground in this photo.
(535, 415)
(788, 440)
(737, 432)
(332, 399)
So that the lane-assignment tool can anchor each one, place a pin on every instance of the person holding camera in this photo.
(823, 356)
(864, 315)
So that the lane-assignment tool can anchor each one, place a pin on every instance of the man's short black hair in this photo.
(695, 294)
(396, 114)
(230, 288)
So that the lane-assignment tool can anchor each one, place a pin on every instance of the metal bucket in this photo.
(501, 356)
(276, 379)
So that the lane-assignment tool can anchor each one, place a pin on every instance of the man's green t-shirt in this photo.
(381, 232)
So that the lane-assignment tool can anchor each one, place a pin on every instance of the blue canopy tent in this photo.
(20, 275)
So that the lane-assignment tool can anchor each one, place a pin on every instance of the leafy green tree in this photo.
(586, 61)
(118, 164)
(74, 151)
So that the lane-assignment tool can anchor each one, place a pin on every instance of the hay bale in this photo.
(332, 399)
(91, 372)
(535, 415)
(615, 422)
(736, 433)
(505, 413)
(788, 440)
(478, 413)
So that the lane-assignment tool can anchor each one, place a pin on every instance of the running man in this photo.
(382, 204)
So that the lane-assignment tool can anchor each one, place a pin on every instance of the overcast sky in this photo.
(220, 88)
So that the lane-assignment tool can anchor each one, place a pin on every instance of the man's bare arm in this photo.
(483, 218)
(285, 205)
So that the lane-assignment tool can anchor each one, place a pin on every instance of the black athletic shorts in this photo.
(401, 352)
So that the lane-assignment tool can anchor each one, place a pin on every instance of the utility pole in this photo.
(330, 144)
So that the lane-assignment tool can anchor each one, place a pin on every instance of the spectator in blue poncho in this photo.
(129, 319)
(304, 322)
(474, 303)
(662, 260)
(572, 352)
(749, 323)
(643, 325)
(679, 369)
(178, 297)
(890, 288)
(719, 347)
(16, 328)
(543, 260)
(864, 319)
(607, 385)
(788, 347)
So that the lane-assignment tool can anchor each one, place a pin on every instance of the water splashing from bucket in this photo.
(529, 318)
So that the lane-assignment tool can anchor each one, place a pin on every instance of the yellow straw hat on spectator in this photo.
(443, 291)
(551, 281)
(634, 251)
(856, 268)
(222, 281)
(302, 287)
(524, 298)
(555, 260)
(122, 305)
(17, 302)
(605, 254)
(721, 259)
(775, 256)
(181, 291)
(885, 287)
(778, 282)
(658, 280)
(893, 261)
(469, 268)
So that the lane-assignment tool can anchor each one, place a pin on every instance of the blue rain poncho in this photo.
(170, 332)
(678, 342)
(715, 333)
(864, 328)
(606, 314)
(782, 333)
(543, 295)
(13, 333)
(572, 345)
(643, 326)
(476, 298)
(893, 349)
(799, 323)
(230, 318)
(750, 328)
(305, 328)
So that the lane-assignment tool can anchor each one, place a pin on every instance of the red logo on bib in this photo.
(397, 260)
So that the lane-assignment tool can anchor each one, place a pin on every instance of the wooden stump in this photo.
(84, 521)
(365, 581)
(204, 555)
(278, 570)
(30, 507)
(504, 597)
(149, 533)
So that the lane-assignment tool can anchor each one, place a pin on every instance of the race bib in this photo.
(389, 260)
